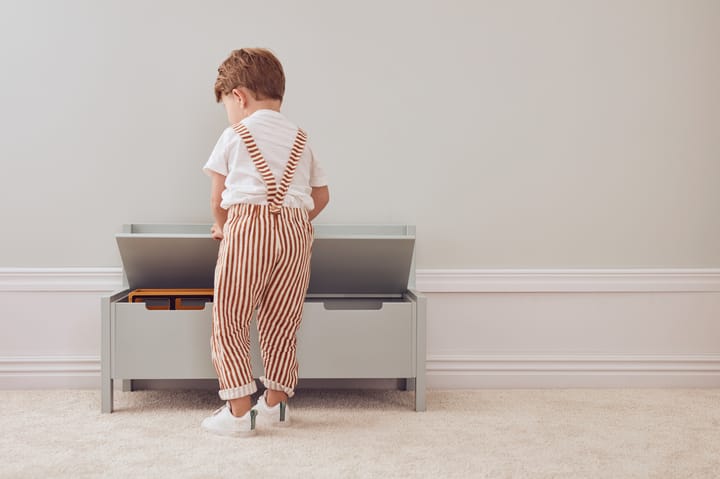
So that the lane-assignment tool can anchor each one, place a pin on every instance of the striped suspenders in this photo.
(275, 196)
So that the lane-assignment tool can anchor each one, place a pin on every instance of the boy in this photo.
(266, 188)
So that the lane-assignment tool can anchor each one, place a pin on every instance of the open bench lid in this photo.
(346, 260)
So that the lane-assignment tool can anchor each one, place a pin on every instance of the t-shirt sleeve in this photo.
(318, 177)
(218, 161)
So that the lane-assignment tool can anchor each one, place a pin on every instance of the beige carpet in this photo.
(356, 434)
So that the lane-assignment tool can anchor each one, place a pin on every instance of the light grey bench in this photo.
(361, 318)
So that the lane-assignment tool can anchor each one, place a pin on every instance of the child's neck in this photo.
(256, 105)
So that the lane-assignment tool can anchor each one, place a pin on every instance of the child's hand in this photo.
(216, 232)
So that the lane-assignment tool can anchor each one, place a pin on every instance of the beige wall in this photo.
(515, 134)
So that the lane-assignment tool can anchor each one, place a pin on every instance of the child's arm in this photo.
(219, 213)
(321, 197)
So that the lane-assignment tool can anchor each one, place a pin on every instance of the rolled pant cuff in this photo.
(236, 393)
(277, 386)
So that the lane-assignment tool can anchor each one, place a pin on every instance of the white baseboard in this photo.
(572, 371)
(522, 328)
(50, 372)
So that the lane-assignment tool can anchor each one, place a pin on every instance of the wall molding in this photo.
(76, 280)
(567, 280)
(427, 280)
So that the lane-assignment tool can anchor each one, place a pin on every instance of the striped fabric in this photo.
(263, 263)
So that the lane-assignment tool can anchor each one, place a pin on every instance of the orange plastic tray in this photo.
(159, 299)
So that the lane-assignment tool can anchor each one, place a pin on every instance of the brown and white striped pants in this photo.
(264, 264)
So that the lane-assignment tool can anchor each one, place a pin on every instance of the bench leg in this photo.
(420, 400)
(106, 392)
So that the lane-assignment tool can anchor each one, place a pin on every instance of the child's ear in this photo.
(239, 96)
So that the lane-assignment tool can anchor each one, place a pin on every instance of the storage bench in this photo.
(361, 320)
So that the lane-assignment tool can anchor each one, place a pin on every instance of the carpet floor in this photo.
(536, 434)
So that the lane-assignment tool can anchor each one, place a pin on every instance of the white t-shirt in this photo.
(274, 135)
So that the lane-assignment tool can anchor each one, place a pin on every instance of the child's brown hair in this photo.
(256, 69)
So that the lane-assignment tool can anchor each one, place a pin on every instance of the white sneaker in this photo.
(278, 415)
(223, 422)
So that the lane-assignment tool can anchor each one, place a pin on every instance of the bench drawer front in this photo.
(161, 344)
(356, 343)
